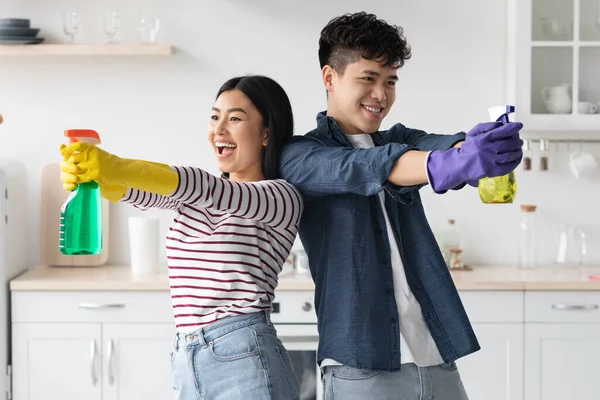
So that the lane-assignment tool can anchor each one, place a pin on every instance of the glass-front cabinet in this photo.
(554, 63)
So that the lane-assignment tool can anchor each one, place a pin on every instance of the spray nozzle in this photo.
(500, 113)
(82, 135)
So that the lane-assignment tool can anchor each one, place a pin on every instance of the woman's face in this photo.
(237, 136)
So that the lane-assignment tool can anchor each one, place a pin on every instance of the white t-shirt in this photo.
(416, 344)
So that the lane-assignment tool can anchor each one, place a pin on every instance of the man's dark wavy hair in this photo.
(348, 37)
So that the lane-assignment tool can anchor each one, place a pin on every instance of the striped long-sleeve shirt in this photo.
(226, 245)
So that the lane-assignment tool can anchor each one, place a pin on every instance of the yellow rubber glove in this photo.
(86, 162)
(113, 193)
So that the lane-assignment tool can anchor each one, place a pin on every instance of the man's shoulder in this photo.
(397, 128)
(311, 137)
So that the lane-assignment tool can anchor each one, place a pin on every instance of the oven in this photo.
(296, 322)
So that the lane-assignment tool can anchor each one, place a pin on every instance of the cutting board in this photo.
(53, 197)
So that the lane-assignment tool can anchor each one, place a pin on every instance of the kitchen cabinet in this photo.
(52, 361)
(496, 371)
(562, 345)
(136, 361)
(561, 361)
(553, 59)
(95, 334)
(91, 345)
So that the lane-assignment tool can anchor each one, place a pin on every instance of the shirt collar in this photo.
(328, 127)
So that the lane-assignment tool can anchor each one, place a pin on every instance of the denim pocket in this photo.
(349, 373)
(235, 345)
(288, 369)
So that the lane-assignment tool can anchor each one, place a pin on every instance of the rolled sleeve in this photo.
(317, 169)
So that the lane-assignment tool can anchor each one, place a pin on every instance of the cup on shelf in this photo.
(587, 107)
(148, 26)
(582, 163)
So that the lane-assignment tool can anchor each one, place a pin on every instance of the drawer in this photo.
(579, 306)
(493, 306)
(89, 306)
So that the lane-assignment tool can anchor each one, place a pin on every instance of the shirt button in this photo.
(393, 320)
(388, 290)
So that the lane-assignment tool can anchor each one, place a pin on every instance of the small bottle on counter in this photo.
(450, 239)
(455, 261)
(527, 246)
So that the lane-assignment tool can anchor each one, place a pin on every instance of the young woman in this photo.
(226, 245)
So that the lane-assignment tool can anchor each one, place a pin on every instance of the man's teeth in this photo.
(373, 109)
(222, 144)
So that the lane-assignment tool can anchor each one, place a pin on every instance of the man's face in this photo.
(361, 97)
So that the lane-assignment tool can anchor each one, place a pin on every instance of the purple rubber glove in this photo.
(490, 149)
(478, 130)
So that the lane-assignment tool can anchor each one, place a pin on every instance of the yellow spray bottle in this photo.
(499, 189)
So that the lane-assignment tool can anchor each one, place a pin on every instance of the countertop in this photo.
(480, 278)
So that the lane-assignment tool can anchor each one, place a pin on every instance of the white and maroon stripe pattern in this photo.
(226, 245)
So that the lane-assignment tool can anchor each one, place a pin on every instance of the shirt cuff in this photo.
(426, 171)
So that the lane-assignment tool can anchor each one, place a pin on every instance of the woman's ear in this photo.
(265, 137)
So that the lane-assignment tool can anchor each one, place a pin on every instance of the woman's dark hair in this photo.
(347, 38)
(274, 106)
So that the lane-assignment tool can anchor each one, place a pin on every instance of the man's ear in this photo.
(328, 75)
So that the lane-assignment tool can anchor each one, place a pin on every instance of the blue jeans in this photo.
(235, 358)
(439, 382)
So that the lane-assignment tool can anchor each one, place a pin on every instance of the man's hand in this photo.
(490, 149)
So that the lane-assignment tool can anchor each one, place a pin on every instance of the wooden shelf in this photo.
(86, 50)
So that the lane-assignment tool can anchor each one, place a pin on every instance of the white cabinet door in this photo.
(496, 371)
(137, 361)
(561, 361)
(56, 361)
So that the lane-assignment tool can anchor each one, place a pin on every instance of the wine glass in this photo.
(112, 22)
(71, 24)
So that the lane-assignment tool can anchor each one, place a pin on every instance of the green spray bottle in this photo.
(81, 214)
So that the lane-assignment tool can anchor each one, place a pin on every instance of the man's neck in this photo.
(346, 128)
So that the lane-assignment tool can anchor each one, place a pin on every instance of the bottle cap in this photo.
(528, 208)
(500, 113)
(82, 135)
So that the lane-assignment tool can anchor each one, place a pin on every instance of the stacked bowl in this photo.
(18, 31)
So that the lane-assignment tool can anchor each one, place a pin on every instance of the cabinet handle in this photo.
(575, 307)
(96, 306)
(93, 362)
(111, 352)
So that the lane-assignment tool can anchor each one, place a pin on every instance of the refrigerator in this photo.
(13, 254)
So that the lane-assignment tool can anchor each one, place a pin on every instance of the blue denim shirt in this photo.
(344, 234)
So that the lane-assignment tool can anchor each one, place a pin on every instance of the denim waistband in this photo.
(221, 327)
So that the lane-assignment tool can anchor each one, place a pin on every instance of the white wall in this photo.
(142, 105)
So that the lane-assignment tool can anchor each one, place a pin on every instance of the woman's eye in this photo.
(235, 119)
(214, 117)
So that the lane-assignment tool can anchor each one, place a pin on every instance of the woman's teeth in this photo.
(222, 145)
(374, 110)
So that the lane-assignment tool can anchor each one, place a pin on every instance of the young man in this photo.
(391, 323)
